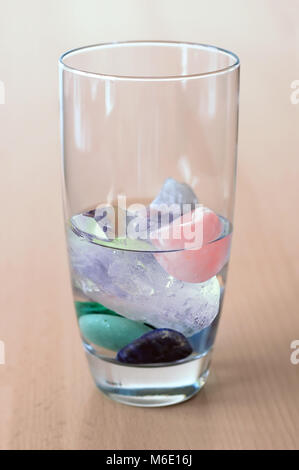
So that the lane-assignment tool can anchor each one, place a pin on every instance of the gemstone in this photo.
(110, 331)
(161, 345)
(200, 255)
(136, 286)
(202, 341)
(173, 192)
(86, 308)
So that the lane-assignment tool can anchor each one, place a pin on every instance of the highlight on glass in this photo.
(149, 148)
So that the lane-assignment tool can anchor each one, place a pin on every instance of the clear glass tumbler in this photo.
(149, 145)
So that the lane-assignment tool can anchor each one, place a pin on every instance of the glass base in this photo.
(149, 386)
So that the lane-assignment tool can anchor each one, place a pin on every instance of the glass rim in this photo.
(177, 77)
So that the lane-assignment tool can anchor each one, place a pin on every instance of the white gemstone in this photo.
(137, 287)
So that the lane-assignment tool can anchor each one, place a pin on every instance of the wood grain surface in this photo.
(47, 397)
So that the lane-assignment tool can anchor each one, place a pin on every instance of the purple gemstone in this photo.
(160, 345)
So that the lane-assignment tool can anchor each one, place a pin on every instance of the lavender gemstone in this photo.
(161, 345)
(173, 192)
(137, 287)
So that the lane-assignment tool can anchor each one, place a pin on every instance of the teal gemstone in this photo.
(111, 331)
(86, 308)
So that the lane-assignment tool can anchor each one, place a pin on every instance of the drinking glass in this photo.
(149, 145)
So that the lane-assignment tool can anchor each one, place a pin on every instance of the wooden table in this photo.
(47, 398)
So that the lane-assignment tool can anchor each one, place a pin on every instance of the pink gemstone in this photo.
(201, 257)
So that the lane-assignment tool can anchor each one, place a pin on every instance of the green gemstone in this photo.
(86, 308)
(111, 331)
